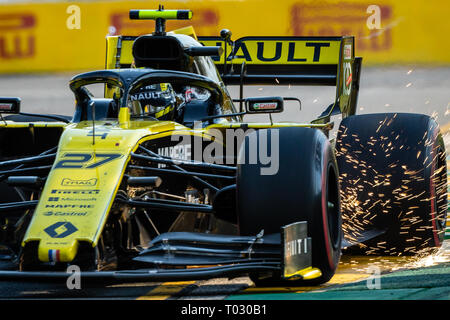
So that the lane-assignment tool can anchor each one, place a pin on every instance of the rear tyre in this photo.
(304, 188)
(393, 177)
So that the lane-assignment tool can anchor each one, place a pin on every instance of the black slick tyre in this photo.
(304, 188)
(393, 178)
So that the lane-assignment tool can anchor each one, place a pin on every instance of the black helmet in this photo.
(156, 100)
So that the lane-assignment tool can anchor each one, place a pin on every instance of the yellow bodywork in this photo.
(87, 172)
(81, 187)
(308, 273)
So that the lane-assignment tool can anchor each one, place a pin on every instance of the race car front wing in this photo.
(177, 256)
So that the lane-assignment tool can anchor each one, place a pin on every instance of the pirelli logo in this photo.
(17, 38)
(329, 18)
(75, 192)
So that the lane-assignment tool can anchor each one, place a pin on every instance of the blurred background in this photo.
(404, 45)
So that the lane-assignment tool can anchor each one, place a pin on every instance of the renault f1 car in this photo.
(160, 178)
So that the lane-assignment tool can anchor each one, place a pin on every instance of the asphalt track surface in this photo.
(396, 89)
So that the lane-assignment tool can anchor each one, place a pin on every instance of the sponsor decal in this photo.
(348, 78)
(67, 182)
(6, 106)
(265, 106)
(145, 96)
(65, 214)
(60, 229)
(17, 39)
(69, 206)
(328, 18)
(295, 51)
(71, 199)
(81, 191)
(347, 51)
(296, 247)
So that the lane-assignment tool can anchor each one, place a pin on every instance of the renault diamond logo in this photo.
(60, 229)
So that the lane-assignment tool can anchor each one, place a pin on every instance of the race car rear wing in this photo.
(328, 61)
(279, 60)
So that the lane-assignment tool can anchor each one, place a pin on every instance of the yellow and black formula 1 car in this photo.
(160, 179)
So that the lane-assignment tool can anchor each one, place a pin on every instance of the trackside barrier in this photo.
(64, 36)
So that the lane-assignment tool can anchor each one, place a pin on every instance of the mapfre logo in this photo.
(340, 19)
(205, 22)
(17, 38)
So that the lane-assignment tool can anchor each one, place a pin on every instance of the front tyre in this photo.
(304, 188)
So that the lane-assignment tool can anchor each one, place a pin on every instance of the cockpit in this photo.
(151, 95)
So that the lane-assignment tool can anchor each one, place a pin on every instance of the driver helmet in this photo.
(156, 100)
